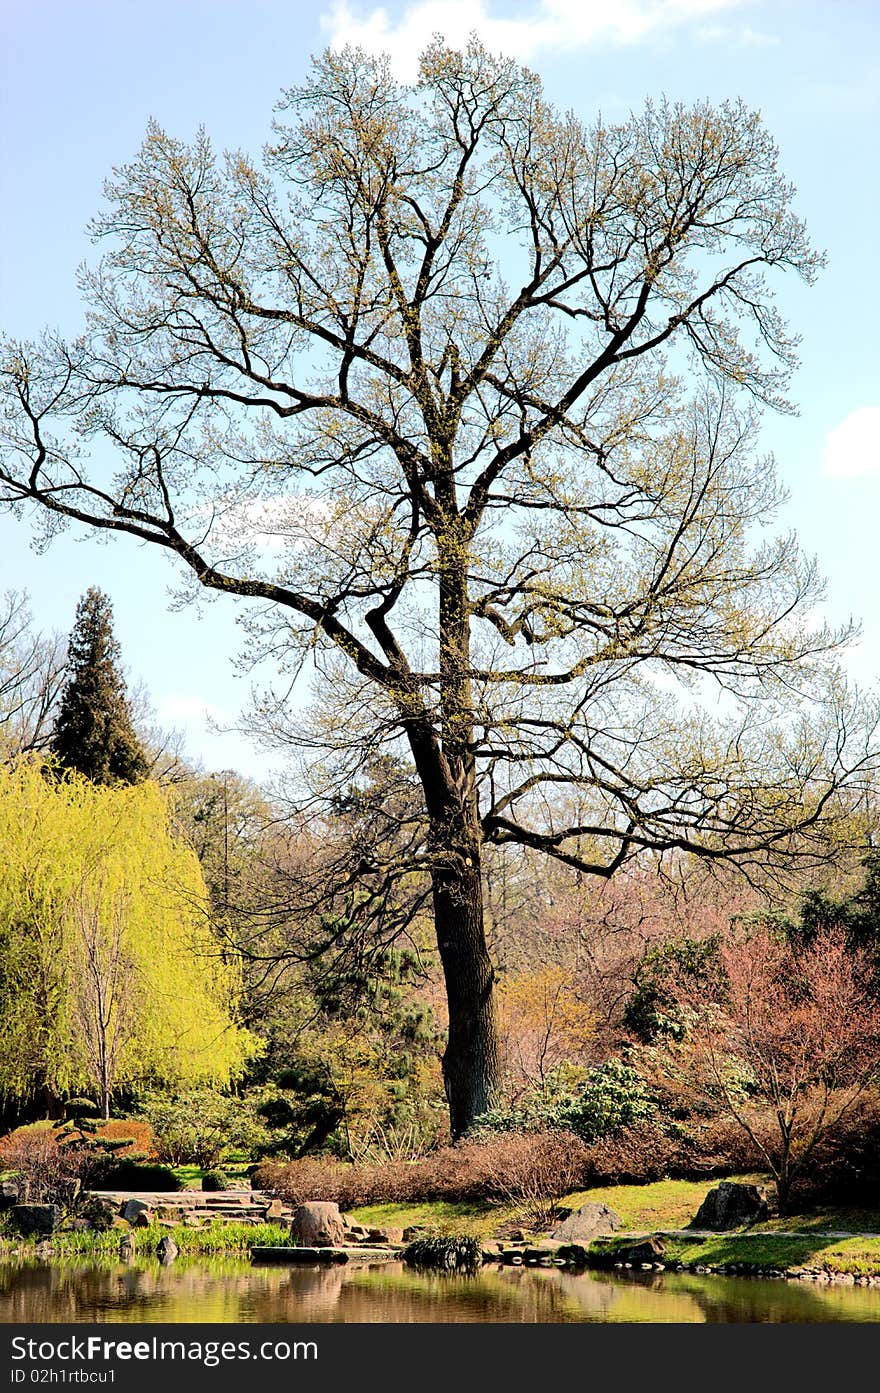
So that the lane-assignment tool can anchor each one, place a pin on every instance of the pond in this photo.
(229, 1290)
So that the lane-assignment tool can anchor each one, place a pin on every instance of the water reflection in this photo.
(230, 1291)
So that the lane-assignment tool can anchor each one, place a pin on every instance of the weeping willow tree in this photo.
(108, 972)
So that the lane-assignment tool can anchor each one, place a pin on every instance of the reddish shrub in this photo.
(632, 1156)
(46, 1169)
(525, 1168)
(136, 1131)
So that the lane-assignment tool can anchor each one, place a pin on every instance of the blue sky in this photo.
(78, 82)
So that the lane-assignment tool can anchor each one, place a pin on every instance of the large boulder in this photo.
(729, 1206)
(587, 1223)
(39, 1219)
(318, 1224)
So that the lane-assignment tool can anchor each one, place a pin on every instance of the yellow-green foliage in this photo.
(106, 958)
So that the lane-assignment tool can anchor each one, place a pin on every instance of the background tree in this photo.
(31, 675)
(93, 729)
(490, 376)
(786, 1041)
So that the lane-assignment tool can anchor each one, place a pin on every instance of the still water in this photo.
(230, 1291)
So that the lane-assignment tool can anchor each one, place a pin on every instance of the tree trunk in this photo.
(470, 1062)
(49, 1100)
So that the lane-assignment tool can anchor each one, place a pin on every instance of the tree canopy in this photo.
(462, 392)
(109, 975)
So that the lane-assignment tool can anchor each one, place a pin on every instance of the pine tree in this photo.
(94, 732)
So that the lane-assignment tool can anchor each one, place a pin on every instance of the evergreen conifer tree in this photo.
(94, 732)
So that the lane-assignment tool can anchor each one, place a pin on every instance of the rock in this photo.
(386, 1235)
(573, 1255)
(731, 1205)
(166, 1249)
(412, 1233)
(648, 1250)
(131, 1209)
(40, 1219)
(274, 1210)
(100, 1212)
(587, 1223)
(143, 1219)
(126, 1248)
(317, 1224)
(9, 1193)
(356, 1233)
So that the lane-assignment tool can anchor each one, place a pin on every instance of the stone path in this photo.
(240, 1206)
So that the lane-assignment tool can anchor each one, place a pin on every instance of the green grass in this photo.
(665, 1204)
(860, 1256)
(441, 1216)
(216, 1237)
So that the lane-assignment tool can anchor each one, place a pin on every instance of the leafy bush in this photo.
(651, 1013)
(134, 1133)
(198, 1127)
(215, 1180)
(611, 1096)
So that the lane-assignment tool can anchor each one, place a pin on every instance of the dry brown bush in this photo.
(525, 1169)
(45, 1168)
(534, 1171)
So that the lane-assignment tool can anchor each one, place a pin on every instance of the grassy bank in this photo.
(219, 1237)
(770, 1252)
(666, 1204)
(811, 1241)
(808, 1241)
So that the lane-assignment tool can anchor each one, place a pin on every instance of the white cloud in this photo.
(555, 25)
(853, 447)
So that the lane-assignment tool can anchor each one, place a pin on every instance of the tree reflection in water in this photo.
(231, 1291)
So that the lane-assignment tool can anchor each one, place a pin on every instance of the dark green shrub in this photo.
(612, 1096)
(128, 1175)
(215, 1180)
(650, 1013)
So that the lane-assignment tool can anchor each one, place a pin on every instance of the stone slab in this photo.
(279, 1254)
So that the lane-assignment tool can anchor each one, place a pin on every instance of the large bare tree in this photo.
(462, 393)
